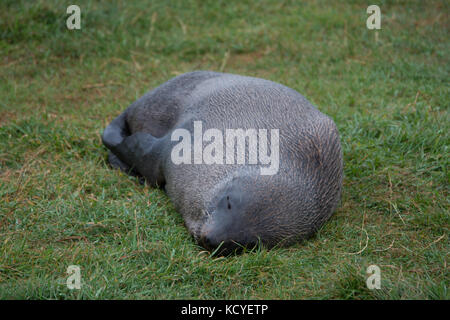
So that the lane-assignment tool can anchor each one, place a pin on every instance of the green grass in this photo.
(60, 204)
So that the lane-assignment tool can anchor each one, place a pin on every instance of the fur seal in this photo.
(229, 205)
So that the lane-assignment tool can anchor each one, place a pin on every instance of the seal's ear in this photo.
(116, 132)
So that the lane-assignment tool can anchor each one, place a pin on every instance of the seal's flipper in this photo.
(112, 137)
(118, 164)
(142, 152)
(116, 131)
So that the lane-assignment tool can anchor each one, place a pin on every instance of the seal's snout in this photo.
(228, 229)
(219, 247)
(223, 247)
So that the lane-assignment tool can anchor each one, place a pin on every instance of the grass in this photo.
(60, 204)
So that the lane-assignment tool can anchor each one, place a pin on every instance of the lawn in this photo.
(60, 203)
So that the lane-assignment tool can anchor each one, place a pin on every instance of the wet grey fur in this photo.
(229, 204)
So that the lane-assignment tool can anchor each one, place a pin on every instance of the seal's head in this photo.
(238, 217)
(228, 224)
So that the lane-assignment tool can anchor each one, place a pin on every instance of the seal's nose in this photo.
(206, 242)
(224, 247)
(221, 248)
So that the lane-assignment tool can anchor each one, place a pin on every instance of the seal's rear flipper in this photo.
(136, 154)
(112, 137)
(116, 132)
(142, 151)
(118, 164)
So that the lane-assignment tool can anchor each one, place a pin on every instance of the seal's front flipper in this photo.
(142, 152)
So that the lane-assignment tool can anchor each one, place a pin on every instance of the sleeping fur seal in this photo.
(230, 205)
